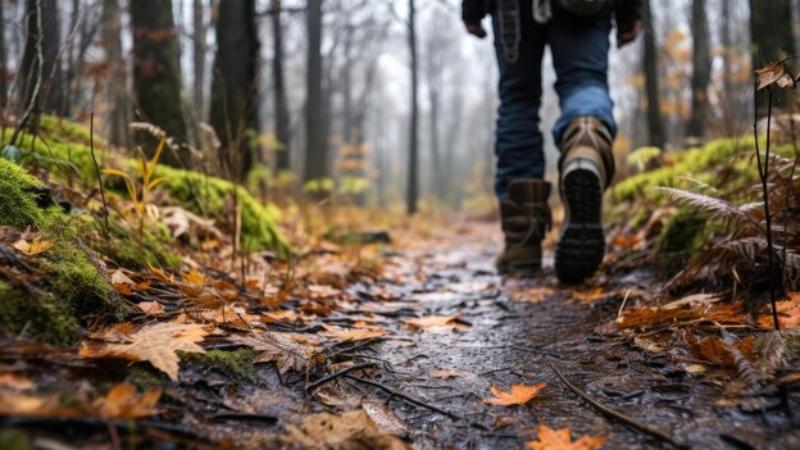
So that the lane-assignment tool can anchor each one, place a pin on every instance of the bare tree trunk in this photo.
(50, 98)
(199, 55)
(412, 193)
(655, 123)
(701, 69)
(234, 99)
(436, 151)
(4, 75)
(282, 120)
(157, 75)
(117, 95)
(316, 158)
(772, 34)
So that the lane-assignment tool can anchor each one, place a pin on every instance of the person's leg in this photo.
(519, 145)
(522, 193)
(585, 133)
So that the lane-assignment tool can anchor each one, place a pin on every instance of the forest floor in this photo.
(421, 349)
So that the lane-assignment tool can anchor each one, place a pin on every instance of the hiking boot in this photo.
(586, 168)
(526, 219)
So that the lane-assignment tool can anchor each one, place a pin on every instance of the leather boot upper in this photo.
(587, 138)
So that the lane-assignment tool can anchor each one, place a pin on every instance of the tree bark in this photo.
(234, 93)
(316, 158)
(412, 193)
(655, 122)
(157, 75)
(199, 55)
(50, 96)
(772, 34)
(282, 120)
(701, 69)
(117, 91)
(4, 75)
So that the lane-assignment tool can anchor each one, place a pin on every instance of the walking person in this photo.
(577, 32)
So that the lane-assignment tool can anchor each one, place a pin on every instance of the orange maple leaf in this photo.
(123, 402)
(353, 334)
(788, 313)
(32, 248)
(519, 394)
(550, 439)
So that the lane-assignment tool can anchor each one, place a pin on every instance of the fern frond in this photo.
(712, 207)
(773, 352)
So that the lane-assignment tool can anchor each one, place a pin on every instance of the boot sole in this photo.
(582, 244)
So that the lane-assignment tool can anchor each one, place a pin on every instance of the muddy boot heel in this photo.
(582, 244)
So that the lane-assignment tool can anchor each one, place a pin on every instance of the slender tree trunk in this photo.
(157, 75)
(282, 120)
(234, 99)
(727, 43)
(436, 151)
(772, 34)
(655, 122)
(117, 94)
(316, 158)
(199, 48)
(412, 193)
(4, 75)
(701, 69)
(50, 97)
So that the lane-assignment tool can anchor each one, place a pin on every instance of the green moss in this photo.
(683, 235)
(213, 196)
(697, 163)
(128, 249)
(55, 127)
(237, 363)
(44, 316)
(65, 159)
(17, 196)
(15, 440)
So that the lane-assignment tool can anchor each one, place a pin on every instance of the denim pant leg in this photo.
(580, 59)
(519, 141)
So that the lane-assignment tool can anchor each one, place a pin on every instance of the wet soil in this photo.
(512, 331)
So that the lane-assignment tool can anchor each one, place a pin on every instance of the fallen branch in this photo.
(631, 422)
(310, 387)
(418, 402)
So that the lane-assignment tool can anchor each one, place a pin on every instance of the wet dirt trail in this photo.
(516, 331)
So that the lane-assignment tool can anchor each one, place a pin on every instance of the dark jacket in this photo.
(626, 11)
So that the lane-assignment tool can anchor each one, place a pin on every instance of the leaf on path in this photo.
(788, 313)
(33, 248)
(16, 382)
(353, 334)
(384, 418)
(550, 439)
(437, 323)
(446, 373)
(289, 351)
(156, 344)
(351, 429)
(29, 405)
(519, 394)
(648, 316)
(195, 279)
(532, 295)
(589, 296)
(122, 283)
(123, 402)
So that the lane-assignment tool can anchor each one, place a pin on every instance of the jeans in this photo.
(580, 58)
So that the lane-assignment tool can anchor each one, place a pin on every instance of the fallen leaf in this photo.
(519, 394)
(16, 382)
(156, 344)
(437, 323)
(788, 313)
(33, 248)
(122, 283)
(123, 402)
(550, 439)
(446, 374)
(353, 334)
(289, 351)
(774, 73)
(151, 308)
(589, 296)
(728, 314)
(384, 417)
(351, 429)
(19, 404)
(626, 241)
(532, 295)
(194, 278)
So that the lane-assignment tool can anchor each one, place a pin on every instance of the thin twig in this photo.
(310, 387)
(417, 402)
(633, 423)
(99, 177)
